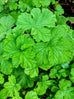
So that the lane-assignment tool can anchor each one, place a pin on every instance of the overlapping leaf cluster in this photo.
(36, 51)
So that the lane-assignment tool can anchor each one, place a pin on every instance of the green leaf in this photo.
(61, 31)
(31, 95)
(64, 84)
(1, 79)
(59, 10)
(11, 86)
(2, 2)
(6, 66)
(41, 3)
(65, 91)
(10, 48)
(25, 5)
(61, 20)
(73, 33)
(63, 72)
(3, 94)
(71, 19)
(12, 5)
(20, 51)
(45, 77)
(17, 97)
(45, 67)
(32, 70)
(17, 48)
(58, 72)
(65, 94)
(24, 80)
(53, 1)
(41, 51)
(6, 22)
(14, 14)
(42, 86)
(1, 7)
(1, 47)
(24, 42)
(58, 50)
(53, 73)
(37, 23)
(60, 47)
(41, 33)
(54, 88)
(17, 32)
(72, 65)
(72, 75)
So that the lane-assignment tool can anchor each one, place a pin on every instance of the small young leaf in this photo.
(31, 95)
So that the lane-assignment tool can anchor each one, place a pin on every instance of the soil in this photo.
(68, 6)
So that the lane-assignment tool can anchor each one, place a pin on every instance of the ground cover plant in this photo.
(36, 50)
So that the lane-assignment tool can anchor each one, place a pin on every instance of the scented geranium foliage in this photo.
(36, 51)
(6, 23)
